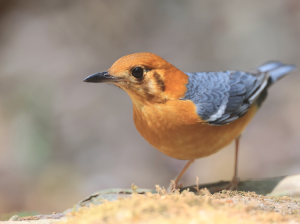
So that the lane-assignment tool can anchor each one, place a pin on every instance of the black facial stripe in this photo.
(159, 82)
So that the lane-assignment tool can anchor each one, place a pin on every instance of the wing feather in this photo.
(222, 97)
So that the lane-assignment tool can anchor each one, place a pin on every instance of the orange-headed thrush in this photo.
(189, 115)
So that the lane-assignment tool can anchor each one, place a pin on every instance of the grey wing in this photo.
(245, 88)
(222, 97)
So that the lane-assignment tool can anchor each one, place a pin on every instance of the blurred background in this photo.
(62, 139)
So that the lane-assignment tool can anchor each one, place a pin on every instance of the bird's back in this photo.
(223, 97)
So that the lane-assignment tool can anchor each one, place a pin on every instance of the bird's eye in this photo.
(138, 72)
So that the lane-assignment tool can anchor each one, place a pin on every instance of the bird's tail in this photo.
(276, 70)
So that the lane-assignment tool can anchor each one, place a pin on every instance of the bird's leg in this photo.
(233, 185)
(174, 183)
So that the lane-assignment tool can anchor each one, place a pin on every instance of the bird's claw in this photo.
(174, 186)
(233, 185)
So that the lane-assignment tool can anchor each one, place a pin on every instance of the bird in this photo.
(190, 115)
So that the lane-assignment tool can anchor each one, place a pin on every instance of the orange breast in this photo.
(175, 129)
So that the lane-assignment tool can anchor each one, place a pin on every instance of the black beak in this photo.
(100, 77)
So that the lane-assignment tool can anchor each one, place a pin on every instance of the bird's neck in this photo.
(175, 83)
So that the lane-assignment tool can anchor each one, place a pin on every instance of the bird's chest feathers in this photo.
(167, 124)
(175, 129)
(172, 114)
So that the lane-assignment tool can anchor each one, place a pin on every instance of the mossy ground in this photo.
(186, 207)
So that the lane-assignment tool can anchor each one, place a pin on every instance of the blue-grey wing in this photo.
(222, 97)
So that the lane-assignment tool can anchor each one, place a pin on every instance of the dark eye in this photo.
(138, 72)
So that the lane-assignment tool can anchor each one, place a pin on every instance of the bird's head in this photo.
(146, 77)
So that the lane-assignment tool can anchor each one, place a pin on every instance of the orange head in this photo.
(146, 77)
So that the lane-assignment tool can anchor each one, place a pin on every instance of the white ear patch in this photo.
(152, 86)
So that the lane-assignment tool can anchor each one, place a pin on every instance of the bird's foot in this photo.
(174, 186)
(233, 185)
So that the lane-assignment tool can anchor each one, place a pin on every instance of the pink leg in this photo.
(174, 184)
(233, 185)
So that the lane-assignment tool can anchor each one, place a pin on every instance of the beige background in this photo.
(62, 139)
